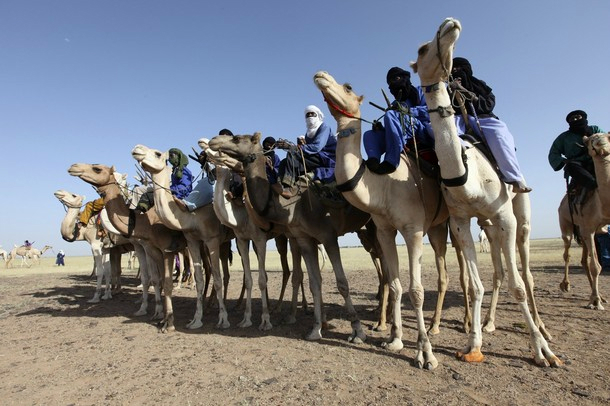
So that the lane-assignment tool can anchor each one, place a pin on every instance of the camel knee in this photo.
(417, 296)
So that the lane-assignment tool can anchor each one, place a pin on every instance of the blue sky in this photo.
(85, 81)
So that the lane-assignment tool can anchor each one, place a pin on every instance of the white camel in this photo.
(472, 189)
(3, 254)
(34, 253)
(589, 218)
(26, 254)
(201, 226)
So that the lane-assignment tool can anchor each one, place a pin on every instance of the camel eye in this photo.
(348, 87)
(158, 154)
(96, 169)
(422, 50)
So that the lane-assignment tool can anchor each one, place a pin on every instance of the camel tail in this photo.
(577, 235)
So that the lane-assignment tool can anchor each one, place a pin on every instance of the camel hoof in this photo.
(489, 327)
(194, 324)
(472, 356)
(265, 326)
(357, 337)
(394, 345)
(314, 335)
(94, 300)
(244, 323)
(565, 286)
(223, 324)
(380, 327)
(290, 320)
(140, 313)
(434, 330)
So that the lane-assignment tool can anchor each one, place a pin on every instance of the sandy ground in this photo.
(57, 349)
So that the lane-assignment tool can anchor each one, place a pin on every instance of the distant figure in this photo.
(27, 245)
(60, 258)
(483, 241)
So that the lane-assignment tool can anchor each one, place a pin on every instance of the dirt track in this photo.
(58, 349)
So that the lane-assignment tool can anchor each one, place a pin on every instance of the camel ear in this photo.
(414, 66)
(112, 169)
(360, 99)
(256, 138)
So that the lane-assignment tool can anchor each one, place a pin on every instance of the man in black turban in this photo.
(408, 118)
(485, 124)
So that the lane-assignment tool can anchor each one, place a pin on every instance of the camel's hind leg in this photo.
(438, 240)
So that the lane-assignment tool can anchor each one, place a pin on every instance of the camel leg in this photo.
(195, 252)
(98, 260)
(107, 275)
(297, 282)
(244, 247)
(167, 324)
(489, 325)
(145, 279)
(383, 292)
(438, 240)
(543, 355)
(567, 242)
(424, 357)
(386, 235)
(464, 281)
(332, 249)
(309, 251)
(281, 243)
(593, 270)
(261, 249)
(223, 316)
(460, 227)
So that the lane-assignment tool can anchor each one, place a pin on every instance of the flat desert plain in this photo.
(58, 349)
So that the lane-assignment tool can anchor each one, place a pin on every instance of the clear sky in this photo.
(85, 81)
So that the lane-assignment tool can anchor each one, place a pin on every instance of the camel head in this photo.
(151, 160)
(434, 59)
(598, 144)
(94, 174)
(70, 200)
(242, 148)
(341, 99)
(220, 159)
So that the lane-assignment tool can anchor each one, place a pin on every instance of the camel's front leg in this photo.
(424, 357)
(495, 243)
(438, 240)
(297, 282)
(281, 243)
(386, 235)
(332, 249)
(167, 324)
(593, 270)
(565, 284)
(261, 248)
(194, 248)
(461, 230)
(223, 316)
(309, 251)
(244, 251)
(99, 265)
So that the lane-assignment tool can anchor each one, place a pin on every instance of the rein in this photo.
(340, 110)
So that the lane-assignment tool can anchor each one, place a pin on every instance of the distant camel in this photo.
(483, 241)
(25, 254)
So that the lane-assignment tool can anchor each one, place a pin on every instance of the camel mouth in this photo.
(450, 26)
(322, 80)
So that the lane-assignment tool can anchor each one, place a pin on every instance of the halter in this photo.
(340, 110)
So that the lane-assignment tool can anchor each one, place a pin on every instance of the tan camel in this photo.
(404, 201)
(34, 253)
(199, 226)
(4, 254)
(146, 226)
(308, 220)
(70, 233)
(589, 218)
(472, 189)
(483, 241)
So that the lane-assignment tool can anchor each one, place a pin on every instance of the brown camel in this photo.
(472, 188)
(589, 218)
(308, 220)
(145, 226)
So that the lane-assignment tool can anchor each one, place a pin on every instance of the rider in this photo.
(485, 124)
(569, 152)
(407, 116)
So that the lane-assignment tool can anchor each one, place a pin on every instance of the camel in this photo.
(70, 233)
(589, 218)
(483, 241)
(145, 226)
(308, 220)
(4, 254)
(199, 226)
(236, 216)
(25, 254)
(472, 188)
(404, 201)
(35, 254)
